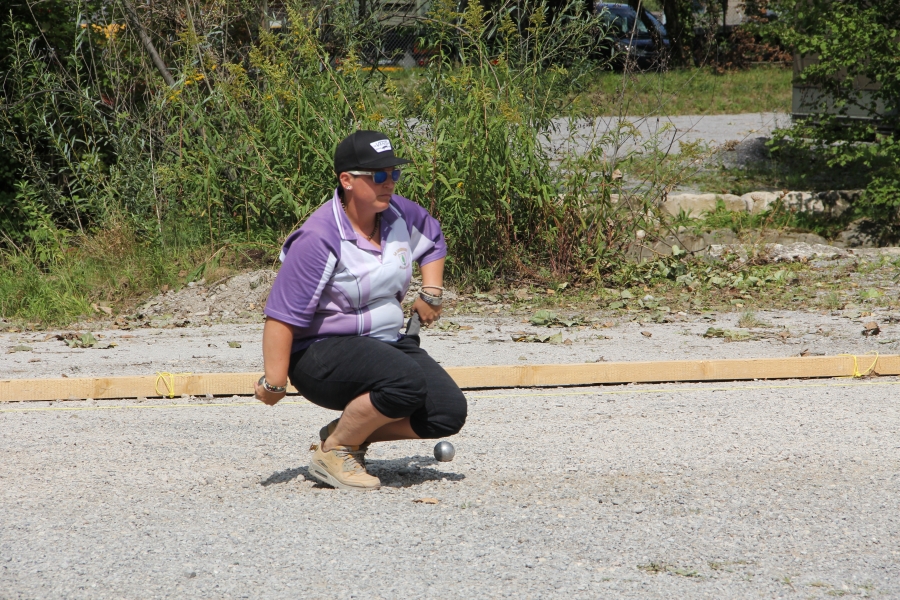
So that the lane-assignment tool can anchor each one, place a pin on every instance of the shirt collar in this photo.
(343, 221)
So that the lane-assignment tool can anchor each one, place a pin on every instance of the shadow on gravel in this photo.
(285, 476)
(409, 471)
(400, 472)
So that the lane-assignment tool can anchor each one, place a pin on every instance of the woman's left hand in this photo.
(428, 314)
(267, 397)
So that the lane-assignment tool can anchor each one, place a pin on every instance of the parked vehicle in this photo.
(637, 41)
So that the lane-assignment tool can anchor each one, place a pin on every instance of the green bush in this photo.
(240, 150)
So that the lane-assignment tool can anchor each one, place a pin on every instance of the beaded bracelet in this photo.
(430, 299)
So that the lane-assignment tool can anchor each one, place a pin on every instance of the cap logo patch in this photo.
(381, 145)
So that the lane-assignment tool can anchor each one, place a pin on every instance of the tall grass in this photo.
(239, 151)
(695, 91)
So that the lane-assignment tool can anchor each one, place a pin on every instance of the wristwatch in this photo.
(273, 389)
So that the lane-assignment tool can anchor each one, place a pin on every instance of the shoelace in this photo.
(354, 460)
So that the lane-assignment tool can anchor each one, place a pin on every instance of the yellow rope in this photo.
(856, 373)
(168, 380)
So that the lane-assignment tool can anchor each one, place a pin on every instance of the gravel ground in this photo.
(202, 349)
(725, 490)
(700, 491)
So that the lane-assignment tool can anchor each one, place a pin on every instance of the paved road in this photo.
(668, 132)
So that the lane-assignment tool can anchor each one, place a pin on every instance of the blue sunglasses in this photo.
(380, 176)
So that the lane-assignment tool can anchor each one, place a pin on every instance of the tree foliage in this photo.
(855, 47)
(238, 149)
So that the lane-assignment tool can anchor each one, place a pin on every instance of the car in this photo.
(631, 40)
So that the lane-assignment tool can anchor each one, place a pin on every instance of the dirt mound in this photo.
(241, 296)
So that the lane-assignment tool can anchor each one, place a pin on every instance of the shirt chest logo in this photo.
(402, 256)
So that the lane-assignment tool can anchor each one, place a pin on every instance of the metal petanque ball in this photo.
(444, 451)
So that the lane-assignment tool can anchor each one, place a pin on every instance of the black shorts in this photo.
(402, 381)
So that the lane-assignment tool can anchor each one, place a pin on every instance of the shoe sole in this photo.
(328, 479)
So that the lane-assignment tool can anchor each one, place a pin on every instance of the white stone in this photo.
(734, 203)
(803, 202)
(697, 204)
(693, 204)
(761, 201)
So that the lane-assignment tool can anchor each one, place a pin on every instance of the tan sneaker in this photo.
(343, 467)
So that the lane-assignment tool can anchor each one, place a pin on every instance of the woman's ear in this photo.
(346, 180)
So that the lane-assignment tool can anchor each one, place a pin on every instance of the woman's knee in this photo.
(446, 419)
(402, 396)
(455, 417)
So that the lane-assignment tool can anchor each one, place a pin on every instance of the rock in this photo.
(522, 294)
(617, 501)
(697, 204)
(738, 155)
(835, 203)
(692, 204)
(862, 233)
(804, 251)
(792, 237)
(803, 202)
(638, 509)
(735, 203)
(871, 328)
(850, 196)
(761, 201)
(719, 236)
(773, 253)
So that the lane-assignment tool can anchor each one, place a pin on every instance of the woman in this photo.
(333, 317)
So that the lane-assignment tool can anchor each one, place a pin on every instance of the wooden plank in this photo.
(676, 370)
(226, 384)
(143, 386)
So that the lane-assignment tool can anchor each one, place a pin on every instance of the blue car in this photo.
(640, 42)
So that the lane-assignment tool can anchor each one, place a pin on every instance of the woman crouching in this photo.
(333, 317)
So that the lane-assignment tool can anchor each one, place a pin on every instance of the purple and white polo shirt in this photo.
(335, 282)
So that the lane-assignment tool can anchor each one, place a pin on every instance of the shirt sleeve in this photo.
(308, 264)
(426, 240)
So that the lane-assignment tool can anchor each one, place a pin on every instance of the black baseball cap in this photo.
(365, 150)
